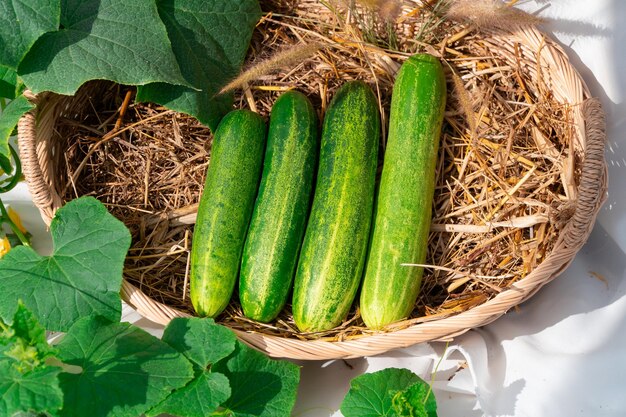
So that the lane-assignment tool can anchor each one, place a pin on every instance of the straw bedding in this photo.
(508, 171)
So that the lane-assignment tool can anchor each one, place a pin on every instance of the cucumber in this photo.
(335, 243)
(403, 205)
(225, 209)
(270, 254)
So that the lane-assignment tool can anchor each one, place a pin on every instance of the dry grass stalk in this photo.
(501, 193)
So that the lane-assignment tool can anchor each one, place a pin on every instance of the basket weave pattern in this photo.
(542, 58)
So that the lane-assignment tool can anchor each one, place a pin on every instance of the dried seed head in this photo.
(490, 14)
(388, 10)
(282, 59)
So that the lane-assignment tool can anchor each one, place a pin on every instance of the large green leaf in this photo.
(261, 387)
(210, 40)
(8, 120)
(22, 22)
(371, 395)
(37, 390)
(82, 276)
(124, 371)
(117, 40)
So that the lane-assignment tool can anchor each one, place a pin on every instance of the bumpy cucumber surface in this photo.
(277, 227)
(403, 206)
(225, 209)
(335, 244)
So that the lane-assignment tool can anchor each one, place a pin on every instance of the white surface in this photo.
(562, 353)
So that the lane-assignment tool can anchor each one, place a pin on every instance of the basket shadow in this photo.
(578, 28)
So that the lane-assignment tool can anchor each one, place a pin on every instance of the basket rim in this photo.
(592, 193)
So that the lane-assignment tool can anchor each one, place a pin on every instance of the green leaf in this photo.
(9, 84)
(8, 120)
(34, 391)
(371, 394)
(124, 370)
(82, 276)
(261, 387)
(210, 40)
(201, 340)
(117, 40)
(417, 400)
(199, 398)
(22, 22)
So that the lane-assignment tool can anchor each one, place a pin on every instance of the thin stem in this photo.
(432, 378)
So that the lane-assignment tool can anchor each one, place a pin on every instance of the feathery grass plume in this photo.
(284, 58)
(465, 102)
(490, 14)
(388, 10)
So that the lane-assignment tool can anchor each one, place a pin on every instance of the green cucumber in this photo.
(335, 244)
(276, 231)
(403, 205)
(225, 209)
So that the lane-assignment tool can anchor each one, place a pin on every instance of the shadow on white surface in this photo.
(315, 399)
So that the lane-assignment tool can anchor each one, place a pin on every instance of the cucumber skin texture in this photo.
(278, 223)
(225, 209)
(403, 206)
(335, 244)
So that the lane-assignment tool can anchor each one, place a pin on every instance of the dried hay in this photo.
(505, 172)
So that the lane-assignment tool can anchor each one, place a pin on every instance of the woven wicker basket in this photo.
(543, 58)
